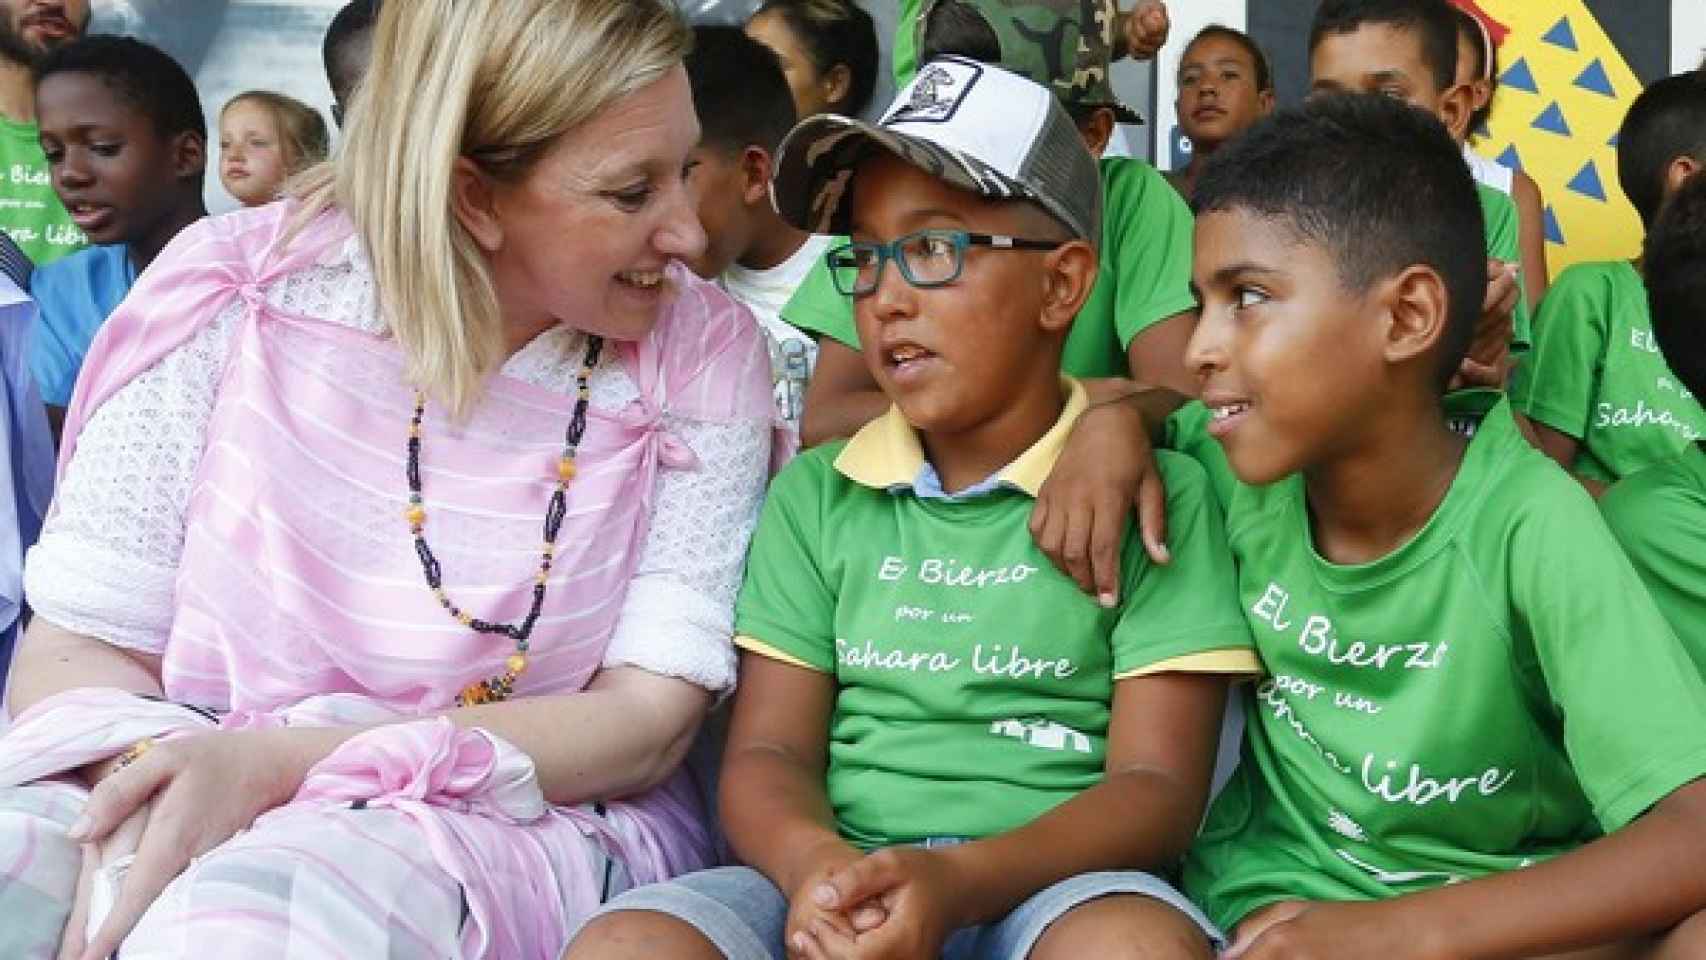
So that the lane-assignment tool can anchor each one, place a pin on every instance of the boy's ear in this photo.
(837, 82)
(1071, 273)
(1456, 106)
(475, 204)
(189, 155)
(1417, 311)
(1097, 129)
(755, 166)
(1678, 170)
(1264, 103)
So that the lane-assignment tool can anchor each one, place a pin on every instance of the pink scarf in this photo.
(299, 578)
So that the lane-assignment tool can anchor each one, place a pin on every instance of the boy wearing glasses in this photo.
(941, 746)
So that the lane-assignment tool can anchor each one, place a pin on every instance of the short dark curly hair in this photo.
(1378, 184)
(1433, 22)
(146, 77)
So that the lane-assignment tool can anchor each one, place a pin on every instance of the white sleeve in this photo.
(108, 556)
(678, 617)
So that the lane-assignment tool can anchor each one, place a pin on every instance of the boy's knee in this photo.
(1124, 927)
(1688, 940)
(639, 934)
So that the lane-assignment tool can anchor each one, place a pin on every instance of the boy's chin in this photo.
(1257, 468)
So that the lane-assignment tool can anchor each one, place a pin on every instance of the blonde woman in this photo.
(398, 529)
(265, 138)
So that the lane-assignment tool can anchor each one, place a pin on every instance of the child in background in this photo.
(1479, 737)
(1138, 318)
(126, 142)
(1478, 69)
(1407, 49)
(828, 50)
(266, 138)
(1139, 34)
(1603, 401)
(1225, 85)
(345, 51)
(940, 747)
(745, 110)
(1659, 514)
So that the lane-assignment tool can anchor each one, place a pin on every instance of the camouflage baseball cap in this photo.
(1065, 45)
(971, 125)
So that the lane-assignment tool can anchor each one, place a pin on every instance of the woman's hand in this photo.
(1106, 469)
(196, 793)
(75, 938)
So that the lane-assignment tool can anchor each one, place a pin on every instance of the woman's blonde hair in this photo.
(497, 81)
(302, 134)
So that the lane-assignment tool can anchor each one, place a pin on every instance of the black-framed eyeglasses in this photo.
(928, 258)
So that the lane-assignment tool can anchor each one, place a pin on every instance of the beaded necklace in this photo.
(502, 686)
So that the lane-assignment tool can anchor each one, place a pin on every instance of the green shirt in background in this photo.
(1504, 242)
(1145, 275)
(975, 680)
(1597, 375)
(29, 209)
(1497, 691)
(1659, 515)
(906, 42)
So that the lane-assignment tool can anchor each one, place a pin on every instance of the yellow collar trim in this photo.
(887, 453)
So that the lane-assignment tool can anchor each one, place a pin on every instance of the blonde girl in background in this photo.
(265, 138)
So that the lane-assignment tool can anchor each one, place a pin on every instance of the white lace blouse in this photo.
(107, 559)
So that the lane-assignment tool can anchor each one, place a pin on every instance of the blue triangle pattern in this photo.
(1518, 76)
(1612, 143)
(1552, 120)
(1510, 158)
(1554, 234)
(1595, 79)
(1561, 35)
(1586, 182)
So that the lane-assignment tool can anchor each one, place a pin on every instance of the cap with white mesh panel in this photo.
(974, 126)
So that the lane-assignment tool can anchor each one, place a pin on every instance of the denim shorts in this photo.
(744, 915)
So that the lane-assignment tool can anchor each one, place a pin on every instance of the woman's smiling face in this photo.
(584, 237)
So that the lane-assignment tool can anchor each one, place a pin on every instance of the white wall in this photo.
(1687, 34)
(1188, 18)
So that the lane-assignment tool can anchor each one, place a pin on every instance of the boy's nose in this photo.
(1206, 351)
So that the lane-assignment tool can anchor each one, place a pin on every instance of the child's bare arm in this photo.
(1142, 816)
(1641, 880)
(773, 803)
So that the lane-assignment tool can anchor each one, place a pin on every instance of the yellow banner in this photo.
(1563, 91)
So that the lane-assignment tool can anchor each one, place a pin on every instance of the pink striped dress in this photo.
(297, 598)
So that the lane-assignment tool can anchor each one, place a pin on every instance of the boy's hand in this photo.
(913, 887)
(1488, 361)
(814, 930)
(1146, 29)
(1079, 521)
(1332, 931)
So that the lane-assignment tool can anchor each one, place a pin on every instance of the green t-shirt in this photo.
(1145, 275)
(1659, 515)
(1495, 692)
(29, 209)
(975, 680)
(1596, 374)
(906, 42)
(1504, 242)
